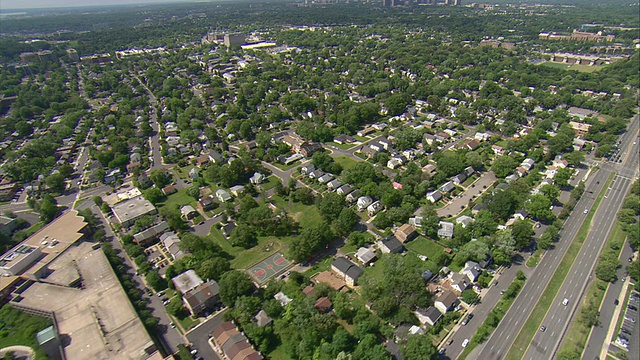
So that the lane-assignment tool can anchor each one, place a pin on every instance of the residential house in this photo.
(205, 204)
(334, 184)
(528, 164)
(472, 270)
(307, 169)
(262, 319)
(447, 187)
(193, 173)
(344, 190)
(315, 174)
(353, 196)
(215, 157)
(459, 282)
(283, 299)
(201, 298)
(257, 178)
(445, 230)
(236, 190)
(430, 316)
(406, 233)
(228, 228)
(470, 144)
(188, 212)
(202, 160)
(150, 233)
(464, 220)
(498, 150)
(394, 162)
(368, 151)
(429, 139)
(346, 270)
(374, 208)
(171, 242)
(169, 189)
(434, 196)
(389, 245)
(323, 305)
(416, 221)
(446, 302)
(469, 170)
(293, 142)
(223, 195)
(364, 202)
(478, 207)
(186, 281)
(308, 149)
(7, 225)
(325, 178)
(460, 178)
(560, 164)
(344, 139)
(365, 255)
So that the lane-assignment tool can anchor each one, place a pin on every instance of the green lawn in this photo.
(180, 198)
(324, 265)
(304, 214)
(576, 67)
(271, 183)
(424, 246)
(19, 328)
(346, 162)
(342, 146)
(284, 167)
(245, 258)
(534, 259)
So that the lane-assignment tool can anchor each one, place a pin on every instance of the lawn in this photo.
(350, 249)
(424, 246)
(346, 162)
(342, 146)
(244, 258)
(304, 214)
(576, 67)
(534, 259)
(179, 198)
(271, 183)
(321, 266)
(284, 167)
(19, 328)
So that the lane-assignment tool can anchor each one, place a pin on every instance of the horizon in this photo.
(14, 6)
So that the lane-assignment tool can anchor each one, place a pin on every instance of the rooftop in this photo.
(186, 281)
(132, 209)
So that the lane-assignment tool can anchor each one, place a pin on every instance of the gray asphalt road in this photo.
(599, 333)
(199, 337)
(500, 341)
(457, 204)
(544, 344)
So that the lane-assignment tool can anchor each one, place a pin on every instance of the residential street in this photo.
(199, 336)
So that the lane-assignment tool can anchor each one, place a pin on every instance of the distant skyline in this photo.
(43, 4)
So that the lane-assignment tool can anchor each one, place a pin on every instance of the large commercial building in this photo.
(127, 212)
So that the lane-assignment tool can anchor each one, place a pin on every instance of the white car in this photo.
(565, 302)
(465, 343)
(586, 211)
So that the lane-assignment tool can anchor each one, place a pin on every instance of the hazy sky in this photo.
(34, 4)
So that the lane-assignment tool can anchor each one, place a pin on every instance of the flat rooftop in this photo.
(132, 209)
(98, 318)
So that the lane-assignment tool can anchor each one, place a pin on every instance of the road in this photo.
(199, 336)
(545, 344)
(599, 332)
(154, 140)
(501, 339)
(459, 203)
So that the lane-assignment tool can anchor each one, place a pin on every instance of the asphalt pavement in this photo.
(567, 300)
(199, 336)
(501, 339)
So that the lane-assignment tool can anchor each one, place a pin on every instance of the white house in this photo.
(223, 195)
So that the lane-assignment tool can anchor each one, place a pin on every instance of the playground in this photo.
(268, 268)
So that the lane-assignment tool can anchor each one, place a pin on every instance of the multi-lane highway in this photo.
(503, 337)
(500, 341)
(544, 344)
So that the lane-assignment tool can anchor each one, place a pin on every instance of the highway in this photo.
(500, 341)
(545, 344)
(502, 338)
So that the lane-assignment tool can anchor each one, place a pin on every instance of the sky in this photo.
(36, 4)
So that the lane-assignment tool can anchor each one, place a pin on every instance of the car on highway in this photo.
(586, 211)
(465, 343)
(616, 302)
(173, 326)
(565, 302)
(543, 328)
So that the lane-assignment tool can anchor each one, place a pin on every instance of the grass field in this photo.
(342, 146)
(534, 259)
(244, 258)
(576, 67)
(537, 315)
(346, 162)
(179, 198)
(19, 328)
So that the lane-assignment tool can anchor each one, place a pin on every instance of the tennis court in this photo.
(269, 267)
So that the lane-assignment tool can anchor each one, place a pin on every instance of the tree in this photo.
(160, 178)
(539, 207)
(523, 233)
(193, 191)
(154, 195)
(213, 268)
(548, 237)
(575, 158)
(551, 192)
(330, 205)
(420, 347)
(346, 221)
(562, 176)
(48, 208)
(156, 281)
(504, 165)
(304, 195)
(234, 284)
(244, 236)
(469, 296)
(56, 182)
(607, 266)
(503, 204)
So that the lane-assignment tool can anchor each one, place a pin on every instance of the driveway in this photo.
(199, 336)
(474, 190)
(205, 228)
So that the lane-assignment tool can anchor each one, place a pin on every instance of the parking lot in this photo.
(627, 337)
